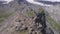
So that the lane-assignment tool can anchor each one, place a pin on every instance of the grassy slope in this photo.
(4, 16)
(53, 23)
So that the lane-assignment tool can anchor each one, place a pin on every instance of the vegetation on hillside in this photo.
(30, 13)
(50, 20)
(53, 23)
(3, 17)
(40, 10)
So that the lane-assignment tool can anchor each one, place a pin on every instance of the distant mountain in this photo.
(1, 2)
(48, 2)
(8, 8)
(5, 1)
(13, 6)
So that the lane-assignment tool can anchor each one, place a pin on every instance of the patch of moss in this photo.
(24, 32)
(17, 20)
(40, 11)
(30, 14)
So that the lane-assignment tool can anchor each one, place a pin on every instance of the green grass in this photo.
(17, 20)
(24, 32)
(40, 11)
(4, 17)
(53, 23)
(30, 14)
